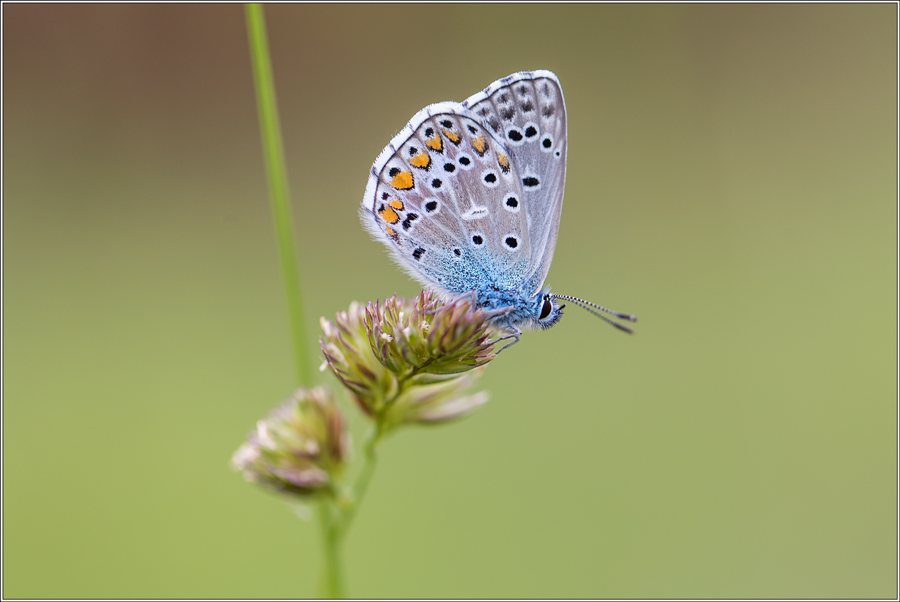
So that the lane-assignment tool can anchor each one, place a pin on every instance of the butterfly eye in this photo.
(546, 308)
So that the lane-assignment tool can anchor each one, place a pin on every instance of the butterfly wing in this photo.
(527, 112)
(446, 199)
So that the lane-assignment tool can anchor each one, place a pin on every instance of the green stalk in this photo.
(365, 476)
(270, 128)
(370, 460)
(331, 583)
(332, 578)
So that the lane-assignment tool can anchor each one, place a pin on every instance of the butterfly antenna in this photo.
(584, 305)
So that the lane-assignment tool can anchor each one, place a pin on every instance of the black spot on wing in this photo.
(410, 218)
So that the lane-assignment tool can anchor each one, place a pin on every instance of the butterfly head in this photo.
(547, 311)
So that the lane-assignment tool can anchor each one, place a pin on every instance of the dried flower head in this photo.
(349, 356)
(404, 361)
(434, 399)
(299, 447)
(428, 335)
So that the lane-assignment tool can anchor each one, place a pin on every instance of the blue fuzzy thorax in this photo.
(524, 313)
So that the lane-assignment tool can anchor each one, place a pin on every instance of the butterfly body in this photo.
(468, 197)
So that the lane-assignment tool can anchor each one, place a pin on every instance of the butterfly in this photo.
(468, 196)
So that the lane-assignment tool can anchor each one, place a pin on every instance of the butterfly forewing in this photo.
(527, 111)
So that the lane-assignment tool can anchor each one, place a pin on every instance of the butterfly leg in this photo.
(515, 335)
(493, 313)
(471, 297)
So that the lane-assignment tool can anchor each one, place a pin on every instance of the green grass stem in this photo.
(331, 585)
(276, 172)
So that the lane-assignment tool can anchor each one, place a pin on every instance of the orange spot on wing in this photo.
(396, 204)
(480, 145)
(391, 232)
(435, 144)
(422, 161)
(402, 181)
(503, 162)
(389, 215)
(451, 136)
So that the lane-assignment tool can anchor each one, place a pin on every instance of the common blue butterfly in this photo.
(468, 196)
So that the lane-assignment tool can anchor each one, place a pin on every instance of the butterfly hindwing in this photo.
(446, 199)
(527, 111)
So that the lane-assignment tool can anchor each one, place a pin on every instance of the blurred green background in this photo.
(731, 181)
